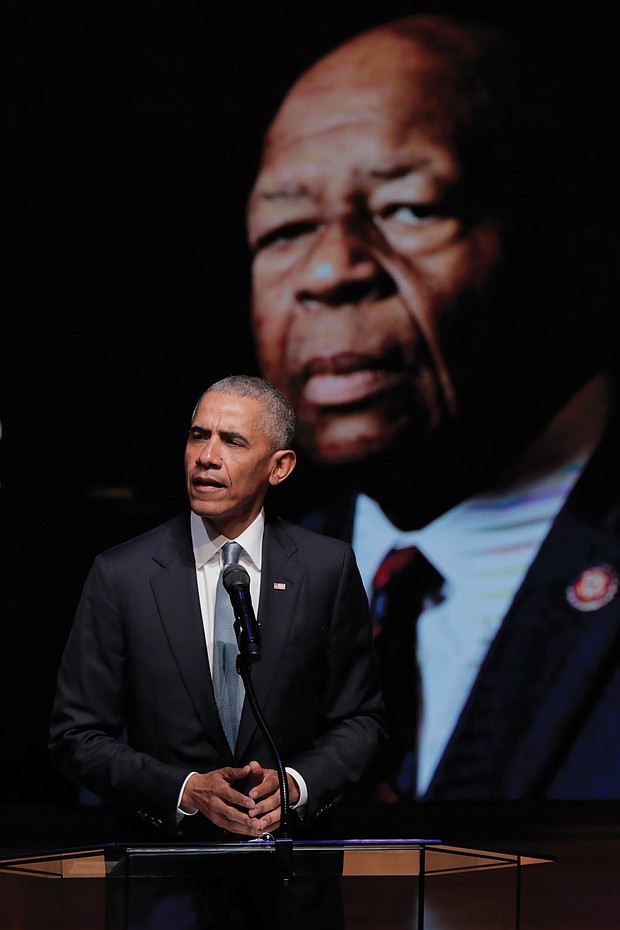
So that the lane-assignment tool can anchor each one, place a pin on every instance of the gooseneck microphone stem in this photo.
(243, 667)
(283, 841)
(247, 630)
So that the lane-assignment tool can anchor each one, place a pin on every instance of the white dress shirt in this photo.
(207, 545)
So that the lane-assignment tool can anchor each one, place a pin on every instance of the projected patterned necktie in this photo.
(403, 586)
(227, 682)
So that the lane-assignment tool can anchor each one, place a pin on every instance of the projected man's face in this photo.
(366, 259)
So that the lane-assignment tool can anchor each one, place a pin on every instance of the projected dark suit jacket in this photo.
(543, 717)
(136, 658)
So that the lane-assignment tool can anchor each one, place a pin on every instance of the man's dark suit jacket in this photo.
(136, 662)
(543, 717)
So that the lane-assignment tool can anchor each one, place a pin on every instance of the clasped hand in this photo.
(259, 811)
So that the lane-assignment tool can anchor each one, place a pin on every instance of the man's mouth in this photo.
(349, 379)
(204, 484)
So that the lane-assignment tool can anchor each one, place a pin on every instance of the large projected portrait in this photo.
(431, 295)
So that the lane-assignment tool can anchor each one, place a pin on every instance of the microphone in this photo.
(247, 629)
(237, 582)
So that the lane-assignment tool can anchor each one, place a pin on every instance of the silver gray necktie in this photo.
(227, 683)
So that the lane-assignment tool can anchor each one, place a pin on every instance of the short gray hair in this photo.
(279, 420)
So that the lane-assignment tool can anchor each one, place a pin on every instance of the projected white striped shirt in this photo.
(483, 548)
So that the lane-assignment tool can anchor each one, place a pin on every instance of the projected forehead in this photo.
(382, 78)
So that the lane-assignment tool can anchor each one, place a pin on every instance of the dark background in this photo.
(133, 136)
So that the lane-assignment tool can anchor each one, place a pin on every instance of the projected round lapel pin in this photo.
(594, 588)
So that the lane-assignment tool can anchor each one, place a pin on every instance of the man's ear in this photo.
(283, 464)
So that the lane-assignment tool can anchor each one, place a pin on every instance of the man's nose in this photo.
(342, 268)
(210, 453)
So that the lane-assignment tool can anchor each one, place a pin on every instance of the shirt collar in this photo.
(538, 488)
(534, 501)
(206, 541)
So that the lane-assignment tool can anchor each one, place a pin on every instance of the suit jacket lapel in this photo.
(176, 595)
(280, 587)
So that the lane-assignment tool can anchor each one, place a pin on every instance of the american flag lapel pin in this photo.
(279, 586)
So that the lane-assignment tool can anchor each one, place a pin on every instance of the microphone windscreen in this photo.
(235, 575)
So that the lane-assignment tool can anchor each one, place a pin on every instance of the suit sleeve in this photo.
(88, 716)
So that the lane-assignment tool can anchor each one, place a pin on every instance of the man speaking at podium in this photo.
(136, 717)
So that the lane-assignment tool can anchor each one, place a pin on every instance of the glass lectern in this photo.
(417, 884)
